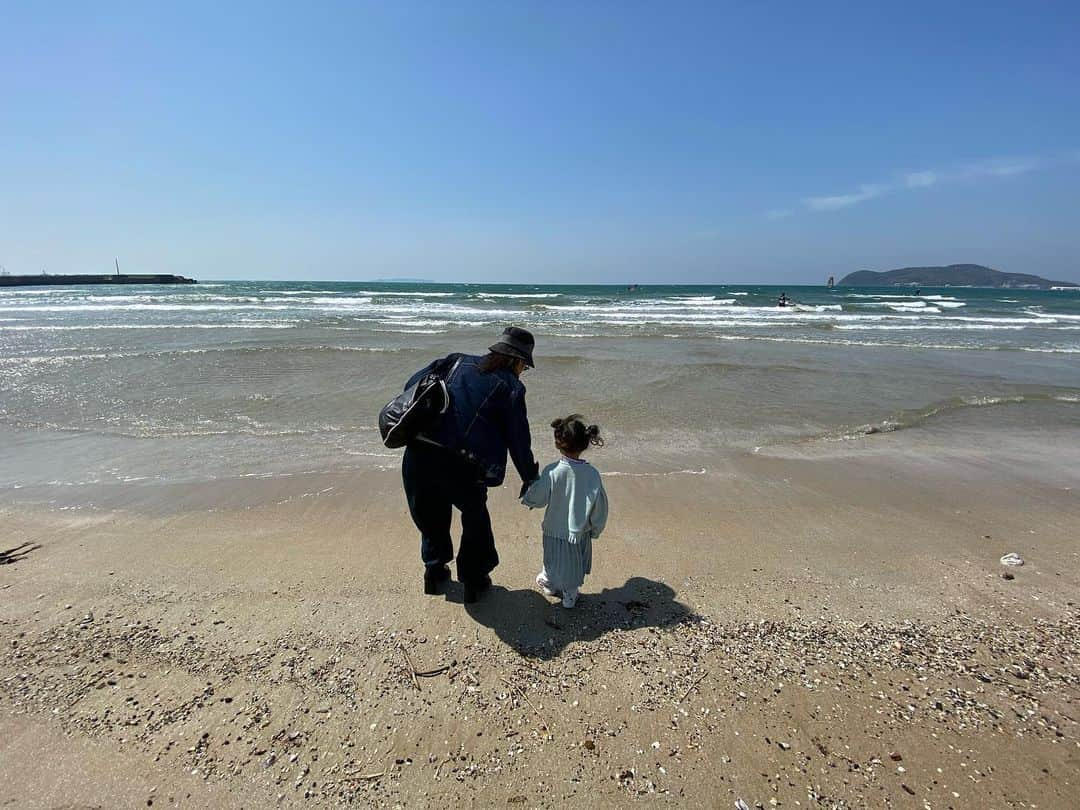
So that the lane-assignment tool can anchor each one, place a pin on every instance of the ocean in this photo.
(130, 387)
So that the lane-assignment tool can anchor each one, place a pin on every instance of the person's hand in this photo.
(525, 486)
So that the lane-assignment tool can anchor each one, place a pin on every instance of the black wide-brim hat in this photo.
(517, 343)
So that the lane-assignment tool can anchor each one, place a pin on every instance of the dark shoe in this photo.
(473, 589)
(434, 576)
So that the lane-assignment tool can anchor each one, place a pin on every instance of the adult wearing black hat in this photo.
(452, 463)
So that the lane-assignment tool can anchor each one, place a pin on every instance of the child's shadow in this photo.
(538, 627)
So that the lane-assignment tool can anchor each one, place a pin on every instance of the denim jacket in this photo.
(486, 418)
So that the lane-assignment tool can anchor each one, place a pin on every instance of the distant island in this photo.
(403, 281)
(952, 275)
(45, 280)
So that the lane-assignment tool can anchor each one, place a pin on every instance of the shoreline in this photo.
(773, 657)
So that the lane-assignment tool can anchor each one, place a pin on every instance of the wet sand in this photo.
(826, 626)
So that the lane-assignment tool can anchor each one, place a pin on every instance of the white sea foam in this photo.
(441, 310)
(414, 331)
(300, 292)
(922, 311)
(409, 294)
(882, 295)
(661, 311)
(609, 473)
(107, 326)
(697, 301)
(982, 401)
(836, 342)
(425, 322)
(23, 291)
(936, 326)
(992, 319)
(516, 295)
(339, 301)
(143, 307)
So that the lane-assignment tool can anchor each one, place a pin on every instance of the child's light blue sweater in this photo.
(577, 505)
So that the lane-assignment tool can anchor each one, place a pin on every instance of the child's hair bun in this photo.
(573, 436)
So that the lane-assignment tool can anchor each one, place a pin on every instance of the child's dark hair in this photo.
(572, 435)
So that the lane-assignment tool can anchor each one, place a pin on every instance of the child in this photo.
(577, 509)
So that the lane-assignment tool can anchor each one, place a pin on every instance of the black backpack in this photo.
(415, 409)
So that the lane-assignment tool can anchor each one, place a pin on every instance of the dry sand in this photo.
(825, 629)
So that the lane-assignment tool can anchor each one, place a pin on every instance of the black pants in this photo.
(435, 482)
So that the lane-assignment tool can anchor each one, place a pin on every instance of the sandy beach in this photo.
(800, 281)
(824, 627)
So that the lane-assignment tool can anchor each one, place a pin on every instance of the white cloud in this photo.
(1001, 167)
(837, 201)
(996, 167)
(920, 179)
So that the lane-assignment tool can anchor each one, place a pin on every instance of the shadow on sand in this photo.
(538, 627)
(13, 555)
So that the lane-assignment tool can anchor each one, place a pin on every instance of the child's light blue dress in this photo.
(577, 511)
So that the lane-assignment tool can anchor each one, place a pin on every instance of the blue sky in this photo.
(519, 141)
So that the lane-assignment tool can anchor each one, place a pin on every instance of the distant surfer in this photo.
(783, 301)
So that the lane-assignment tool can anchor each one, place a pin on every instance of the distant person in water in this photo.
(782, 301)
(453, 463)
(576, 509)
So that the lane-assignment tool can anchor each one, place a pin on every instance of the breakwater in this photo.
(48, 281)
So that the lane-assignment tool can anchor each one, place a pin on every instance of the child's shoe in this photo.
(545, 584)
(569, 598)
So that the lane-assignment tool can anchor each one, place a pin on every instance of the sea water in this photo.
(226, 380)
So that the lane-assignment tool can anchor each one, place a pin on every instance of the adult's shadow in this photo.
(13, 555)
(540, 628)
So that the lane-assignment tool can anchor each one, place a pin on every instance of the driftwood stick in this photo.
(431, 673)
(692, 686)
(439, 767)
(368, 776)
(521, 693)
(534, 669)
(409, 663)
